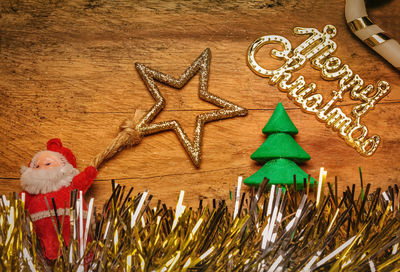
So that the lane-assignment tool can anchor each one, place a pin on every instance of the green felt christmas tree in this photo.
(280, 153)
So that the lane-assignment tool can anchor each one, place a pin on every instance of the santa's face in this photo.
(48, 172)
(46, 160)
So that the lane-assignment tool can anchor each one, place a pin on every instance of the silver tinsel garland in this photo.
(279, 230)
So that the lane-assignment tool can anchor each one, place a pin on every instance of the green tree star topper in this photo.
(280, 153)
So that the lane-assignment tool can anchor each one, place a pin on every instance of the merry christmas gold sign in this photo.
(318, 49)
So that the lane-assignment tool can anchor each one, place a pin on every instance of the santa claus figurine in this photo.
(52, 174)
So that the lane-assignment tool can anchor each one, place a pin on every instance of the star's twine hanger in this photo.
(132, 132)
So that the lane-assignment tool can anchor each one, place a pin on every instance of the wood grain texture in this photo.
(67, 71)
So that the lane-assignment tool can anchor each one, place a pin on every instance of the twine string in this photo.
(128, 136)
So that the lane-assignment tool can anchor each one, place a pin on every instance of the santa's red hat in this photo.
(55, 145)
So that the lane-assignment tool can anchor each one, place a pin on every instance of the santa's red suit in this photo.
(40, 214)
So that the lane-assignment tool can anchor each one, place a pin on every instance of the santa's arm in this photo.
(84, 180)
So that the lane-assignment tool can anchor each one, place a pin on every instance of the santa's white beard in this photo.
(43, 181)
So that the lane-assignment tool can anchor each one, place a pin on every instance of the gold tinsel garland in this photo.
(280, 230)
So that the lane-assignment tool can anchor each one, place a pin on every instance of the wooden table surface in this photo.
(67, 70)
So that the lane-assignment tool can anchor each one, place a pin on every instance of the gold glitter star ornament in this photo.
(132, 132)
(202, 66)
